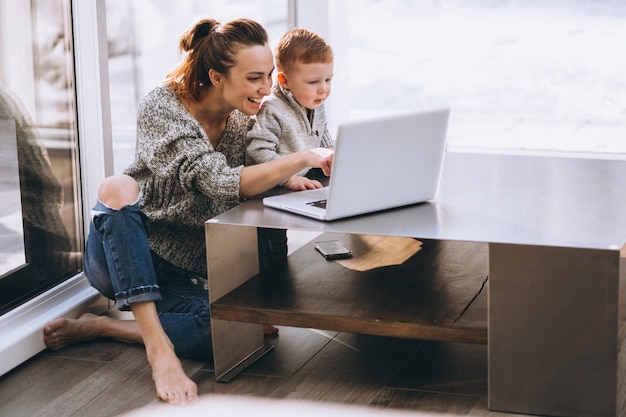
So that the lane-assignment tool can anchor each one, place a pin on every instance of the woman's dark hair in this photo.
(211, 45)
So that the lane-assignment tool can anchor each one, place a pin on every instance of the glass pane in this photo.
(518, 75)
(40, 207)
(143, 48)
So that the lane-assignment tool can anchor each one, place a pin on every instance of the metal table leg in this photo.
(232, 257)
(554, 316)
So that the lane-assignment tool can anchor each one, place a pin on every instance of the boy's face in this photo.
(309, 83)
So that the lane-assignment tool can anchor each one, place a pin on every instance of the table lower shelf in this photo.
(439, 293)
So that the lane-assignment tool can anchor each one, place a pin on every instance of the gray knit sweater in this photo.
(183, 180)
(282, 127)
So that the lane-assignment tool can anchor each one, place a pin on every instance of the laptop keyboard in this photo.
(318, 203)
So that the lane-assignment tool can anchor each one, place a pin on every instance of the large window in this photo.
(143, 48)
(518, 75)
(40, 205)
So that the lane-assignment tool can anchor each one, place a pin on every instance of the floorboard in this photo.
(352, 369)
(107, 378)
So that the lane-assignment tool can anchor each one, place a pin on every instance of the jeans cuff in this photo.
(138, 295)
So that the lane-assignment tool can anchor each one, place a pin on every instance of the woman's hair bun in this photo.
(190, 39)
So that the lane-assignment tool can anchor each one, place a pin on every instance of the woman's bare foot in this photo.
(269, 330)
(172, 384)
(62, 332)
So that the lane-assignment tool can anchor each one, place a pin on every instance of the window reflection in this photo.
(39, 199)
(11, 229)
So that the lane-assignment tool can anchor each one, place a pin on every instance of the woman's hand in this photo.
(322, 158)
(259, 178)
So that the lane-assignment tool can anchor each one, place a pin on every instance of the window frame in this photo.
(21, 327)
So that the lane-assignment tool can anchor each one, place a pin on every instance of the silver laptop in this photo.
(379, 163)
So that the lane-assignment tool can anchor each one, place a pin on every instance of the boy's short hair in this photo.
(301, 45)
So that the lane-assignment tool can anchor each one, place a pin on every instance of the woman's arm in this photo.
(259, 178)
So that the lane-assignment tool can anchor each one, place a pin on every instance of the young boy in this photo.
(293, 117)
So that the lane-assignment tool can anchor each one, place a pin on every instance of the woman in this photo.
(146, 245)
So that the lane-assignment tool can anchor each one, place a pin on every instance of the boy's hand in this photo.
(298, 183)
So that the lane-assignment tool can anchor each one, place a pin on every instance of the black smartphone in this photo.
(332, 249)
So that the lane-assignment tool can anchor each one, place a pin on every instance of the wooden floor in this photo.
(109, 377)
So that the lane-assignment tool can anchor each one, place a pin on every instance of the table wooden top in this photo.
(517, 199)
(417, 298)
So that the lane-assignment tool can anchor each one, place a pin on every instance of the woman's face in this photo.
(250, 79)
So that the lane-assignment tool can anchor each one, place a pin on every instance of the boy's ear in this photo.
(282, 79)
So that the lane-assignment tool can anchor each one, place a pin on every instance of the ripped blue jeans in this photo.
(119, 264)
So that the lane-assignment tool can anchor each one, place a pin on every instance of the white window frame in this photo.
(21, 328)
(315, 15)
